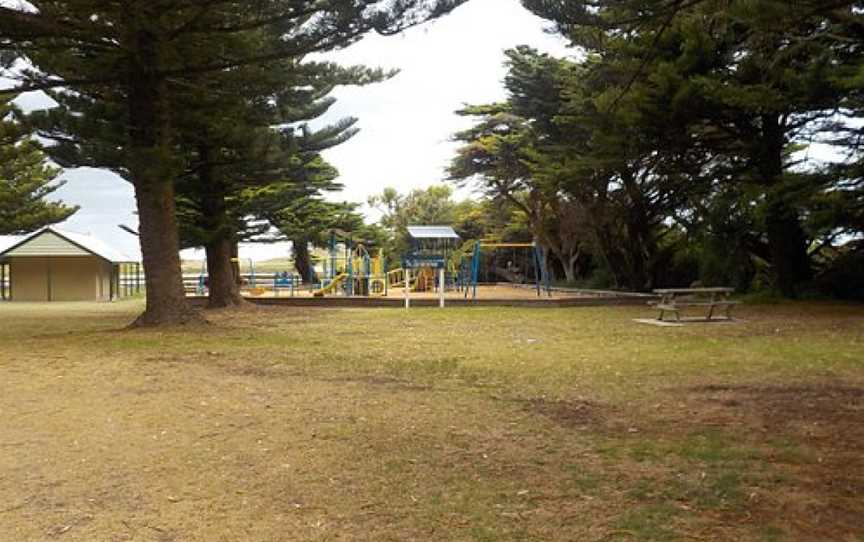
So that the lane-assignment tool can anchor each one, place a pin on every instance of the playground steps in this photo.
(396, 278)
(422, 281)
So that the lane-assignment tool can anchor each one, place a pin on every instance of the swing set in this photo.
(469, 268)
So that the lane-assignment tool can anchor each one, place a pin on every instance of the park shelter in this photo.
(431, 243)
(57, 265)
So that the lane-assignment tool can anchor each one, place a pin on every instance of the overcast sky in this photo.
(405, 122)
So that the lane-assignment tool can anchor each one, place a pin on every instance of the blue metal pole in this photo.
(544, 271)
(349, 287)
(332, 273)
(537, 264)
(475, 269)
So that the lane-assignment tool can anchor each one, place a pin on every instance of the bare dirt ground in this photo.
(465, 424)
(485, 291)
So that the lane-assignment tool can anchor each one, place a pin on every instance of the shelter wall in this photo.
(47, 244)
(74, 278)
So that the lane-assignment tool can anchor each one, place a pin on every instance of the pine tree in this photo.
(235, 143)
(259, 143)
(139, 53)
(26, 179)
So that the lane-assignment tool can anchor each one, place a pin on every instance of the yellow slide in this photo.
(331, 288)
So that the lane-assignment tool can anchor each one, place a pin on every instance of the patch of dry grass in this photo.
(462, 424)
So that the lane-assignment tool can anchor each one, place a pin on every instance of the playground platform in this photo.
(491, 295)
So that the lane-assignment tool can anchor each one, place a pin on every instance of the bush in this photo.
(844, 279)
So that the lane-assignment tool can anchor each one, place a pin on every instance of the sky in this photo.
(406, 123)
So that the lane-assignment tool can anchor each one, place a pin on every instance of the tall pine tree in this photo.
(138, 53)
(26, 179)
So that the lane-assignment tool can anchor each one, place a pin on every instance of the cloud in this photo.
(406, 123)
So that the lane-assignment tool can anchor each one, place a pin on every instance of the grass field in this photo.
(478, 424)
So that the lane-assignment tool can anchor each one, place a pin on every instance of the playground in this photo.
(476, 423)
(490, 294)
(438, 266)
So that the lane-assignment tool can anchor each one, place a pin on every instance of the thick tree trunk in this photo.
(609, 253)
(569, 265)
(547, 265)
(303, 261)
(165, 294)
(153, 175)
(639, 243)
(235, 263)
(223, 287)
(787, 244)
(787, 241)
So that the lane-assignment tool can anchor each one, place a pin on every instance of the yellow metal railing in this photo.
(396, 277)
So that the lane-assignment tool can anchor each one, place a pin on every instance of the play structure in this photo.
(427, 266)
(354, 272)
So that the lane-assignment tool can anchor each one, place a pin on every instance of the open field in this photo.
(478, 424)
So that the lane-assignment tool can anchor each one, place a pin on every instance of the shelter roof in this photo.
(432, 232)
(12, 244)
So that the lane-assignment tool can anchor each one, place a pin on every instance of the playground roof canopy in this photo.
(432, 232)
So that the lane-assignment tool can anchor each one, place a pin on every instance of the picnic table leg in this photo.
(711, 306)
(663, 301)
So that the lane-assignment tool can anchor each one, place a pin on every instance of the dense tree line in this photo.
(679, 142)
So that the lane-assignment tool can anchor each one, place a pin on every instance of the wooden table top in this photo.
(715, 290)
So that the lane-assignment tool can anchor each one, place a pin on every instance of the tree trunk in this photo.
(608, 250)
(569, 265)
(223, 287)
(303, 261)
(787, 244)
(639, 244)
(550, 271)
(153, 175)
(787, 241)
(235, 263)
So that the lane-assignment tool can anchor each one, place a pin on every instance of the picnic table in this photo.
(675, 299)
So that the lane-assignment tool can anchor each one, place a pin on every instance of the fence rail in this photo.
(197, 282)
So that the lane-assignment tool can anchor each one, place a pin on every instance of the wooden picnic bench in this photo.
(675, 299)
